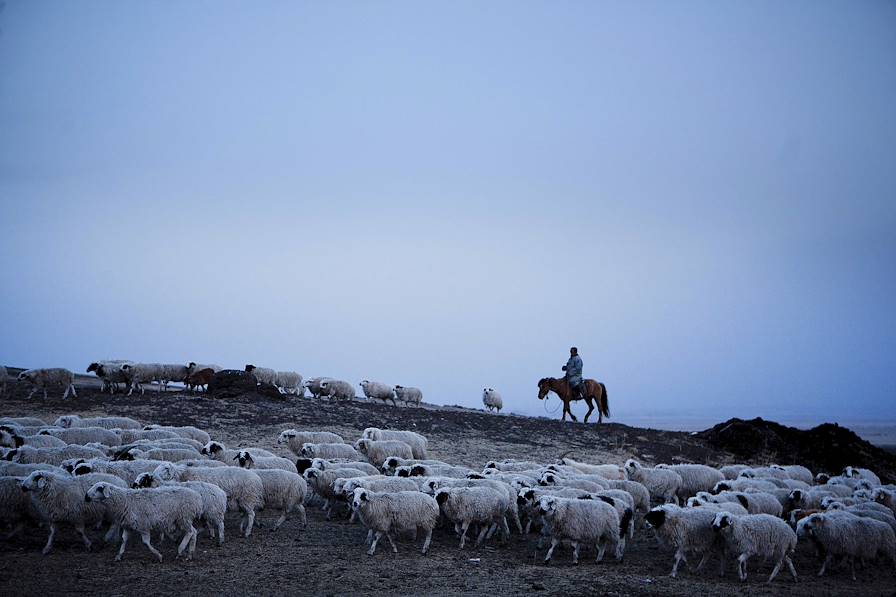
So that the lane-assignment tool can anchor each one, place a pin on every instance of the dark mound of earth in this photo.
(828, 447)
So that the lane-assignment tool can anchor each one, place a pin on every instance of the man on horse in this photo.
(573, 368)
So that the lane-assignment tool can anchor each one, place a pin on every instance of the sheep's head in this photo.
(491, 464)
(303, 464)
(11, 454)
(656, 517)
(810, 524)
(747, 474)
(431, 487)
(311, 473)
(145, 480)
(360, 496)
(547, 505)
(631, 466)
(831, 503)
(721, 486)
(191, 364)
(822, 478)
(212, 448)
(126, 367)
(24, 376)
(442, 496)
(166, 472)
(99, 492)
(694, 502)
(796, 496)
(548, 479)
(84, 468)
(850, 472)
(287, 435)
(307, 451)
(36, 481)
(10, 439)
(721, 522)
(245, 459)
(390, 463)
(129, 454)
(363, 445)
(475, 475)
(66, 421)
(70, 464)
(418, 470)
(250, 368)
(93, 367)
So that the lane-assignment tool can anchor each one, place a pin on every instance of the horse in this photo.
(595, 391)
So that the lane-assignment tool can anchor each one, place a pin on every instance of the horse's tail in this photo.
(604, 402)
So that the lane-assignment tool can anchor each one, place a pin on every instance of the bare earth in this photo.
(328, 558)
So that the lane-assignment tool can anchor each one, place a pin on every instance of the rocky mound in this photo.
(827, 448)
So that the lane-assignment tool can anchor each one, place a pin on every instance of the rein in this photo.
(551, 412)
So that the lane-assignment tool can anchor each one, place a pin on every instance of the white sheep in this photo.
(467, 505)
(323, 483)
(433, 484)
(263, 374)
(337, 389)
(10, 438)
(54, 456)
(323, 464)
(41, 379)
(59, 499)
(694, 478)
(313, 385)
(796, 471)
(138, 374)
(71, 421)
(246, 460)
(662, 484)
(295, 439)
(110, 372)
(165, 508)
(593, 522)
(409, 395)
(743, 484)
(731, 471)
(761, 535)
(290, 382)
(218, 451)
(400, 511)
(842, 534)
(608, 471)
(85, 435)
(377, 452)
(375, 390)
(492, 400)
(756, 502)
(184, 431)
(417, 442)
(865, 510)
(391, 464)
(284, 491)
(214, 500)
(688, 530)
(173, 372)
(244, 489)
(862, 473)
(329, 450)
(23, 421)
(126, 470)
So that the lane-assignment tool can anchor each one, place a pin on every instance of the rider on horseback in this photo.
(573, 368)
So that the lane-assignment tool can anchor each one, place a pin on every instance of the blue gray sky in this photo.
(700, 195)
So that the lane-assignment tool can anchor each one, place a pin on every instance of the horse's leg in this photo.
(569, 408)
(565, 408)
(590, 404)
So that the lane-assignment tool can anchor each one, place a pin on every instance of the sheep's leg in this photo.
(824, 565)
(775, 570)
(301, 510)
(15, 531)
(369, 537)
(45, 393)
(463, 535)
(185, 541)
(575, 552)
(505, 530)
(221, 532)
(280, 520)
(49, 544)
(483, 533)
(148, 543)
(601, 548)
(742, 562)
(790, 567)
(192, 549)
(547, 557)
(250, 520)
(111, 533)
(391, 542)
(703, 561)
(679, 558)
(528, 527)
(124, 541)
(427, 541)
(376, 538)
(67, 389)
(491, 530)
(84, 537)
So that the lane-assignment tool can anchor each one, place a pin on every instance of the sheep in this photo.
(329, 450)
(623, 503)
(169, 454)
(185, 431)
(607, 471)
(199, 380)
(375, 390)
(85, 435)
(284, 491)
(466, 505)
(662, 484)
(731, 471)
(23, 421)
(757, 535)
(246, 460)
(731, 507)
(417, 442)
(527, 500)
(809, 498)
(295, 439)
(337, 389)
(743, 484)
(10, 438)
(173, 372)
(639, 493)
(408, 395)
(512, 465)
(110, 372)
(218, 451)
(244, 489)
(55, 456)
(344, 489)
(796, 471)
(132, 435)
(40, 379)
(323, 464)
(755, 502)
(313, 385)
(70, 421)
(289, 382)
(145, 510)
(14, 469)
(137, 374)
(591, 485)
(393, 462)
(694, 478)
(126, 470)
(59, 499)
(263, 374)
(885, 497)
(844, 534)
(432, 470)
(688, 530)
(322, 483)
(384, 513)
(193, 366)
(433, 484)
(214, 500)
(377, 451)
(492, 400)
(862, 473)
(593, 522)
(867, 510)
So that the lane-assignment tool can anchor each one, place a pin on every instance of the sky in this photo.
(701, 196)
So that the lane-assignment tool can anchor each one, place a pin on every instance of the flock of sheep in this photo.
(130, 376)
(128, 478)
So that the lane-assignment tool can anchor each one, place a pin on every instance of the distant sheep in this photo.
(663, 484)
(110, 372)
(377, 451)
(375, 390)
(492, 400)
(69, 421)
(417, 442)
(337, 389)
(409, 395)
(41, 379)
(263, 374)
(296, 439)
(289, 382)
(313, 385)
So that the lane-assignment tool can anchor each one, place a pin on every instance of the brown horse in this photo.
(595, 391)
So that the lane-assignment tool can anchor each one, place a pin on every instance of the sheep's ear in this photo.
(363, 497)
(18, 441)
(743, 500)
(237, 457)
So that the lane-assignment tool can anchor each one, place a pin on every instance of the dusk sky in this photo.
(701, 196)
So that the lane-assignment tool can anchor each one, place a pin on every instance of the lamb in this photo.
(59, 499)
(377, 451)
(731, 471)
(862, 473)
(375, 390)
(85, 435)
(849, 536)
(391, 464)
(54, 456)
(313, 385)
(10, 438)
(110, 372)
(246, 460)
(295, 439)
(284, 491)
(145, 510)
(324, 464)
(70, 421)
(663, 484)
(492, 400)
(384, 513)
(607, 471)
(263, 374)
(593, 522)
(199, 380)
(757, 535)
(337, 389)
(688, 530)
(409, 395)
(214, 500)
(244, 489)
(467, 505)
(289, 382)
(217, 451)
(185, 431)
(694, 478)
(417, 442)
(40, 379)
(329, 450)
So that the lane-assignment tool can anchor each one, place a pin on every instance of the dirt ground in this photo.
(328, 558)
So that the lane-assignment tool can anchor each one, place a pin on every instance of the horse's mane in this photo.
(546, 380)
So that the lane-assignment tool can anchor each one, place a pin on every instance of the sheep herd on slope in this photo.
(127, 478)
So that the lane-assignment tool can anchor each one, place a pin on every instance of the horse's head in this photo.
(544, 386)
